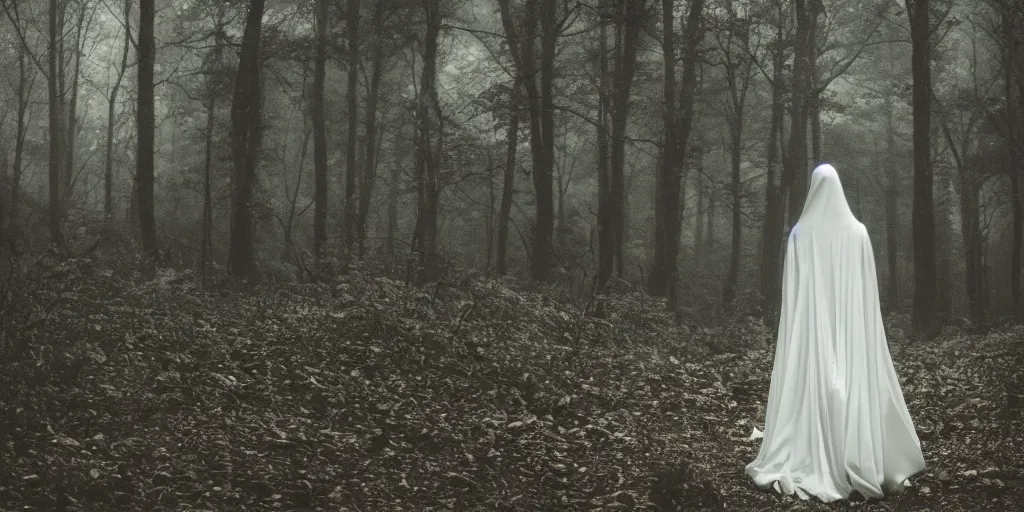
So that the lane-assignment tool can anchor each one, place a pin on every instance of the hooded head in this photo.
(826, 203)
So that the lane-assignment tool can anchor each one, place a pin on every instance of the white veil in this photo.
(835, 421)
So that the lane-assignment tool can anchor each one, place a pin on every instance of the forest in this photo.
(486, 254)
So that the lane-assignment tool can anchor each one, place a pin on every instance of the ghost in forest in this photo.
(836, 421)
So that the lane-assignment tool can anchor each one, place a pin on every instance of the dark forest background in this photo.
(486, 254)
(663, 145)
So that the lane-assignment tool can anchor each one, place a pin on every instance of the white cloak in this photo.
(836, 421)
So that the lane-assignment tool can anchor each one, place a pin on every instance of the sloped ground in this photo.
(370, 396)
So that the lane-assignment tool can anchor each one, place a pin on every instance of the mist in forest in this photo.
(663, 145)
(487, 254)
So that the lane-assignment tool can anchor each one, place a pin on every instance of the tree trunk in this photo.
(666, 247)
(925, 320)
(698, 223)
(774, 216)
(1018, 235)
(815, 115)
(1014, 156)
(668, 207)
(892, 196)
(391, 230)
(813, 93)
(146, 118)
(5, 179)
(621, 235)
(108, 171)
(541, 109)
(565, 174)
(508, 181)
(522, 51)
(72, 124)
(55, 133)
(290, 254)
(245, 135)
(543, 174)
(369, 175)
(24, 87)
(489, 222)
(427, 164)
(319, 133)
(972, 239)
(738, 75)
(625, 67)
(732, 281)
(605, 253)
(62, 94)
(206, 234)
(796, 164)
(349, 217)
(709, 232)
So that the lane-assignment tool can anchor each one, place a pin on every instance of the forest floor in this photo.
(371, 396)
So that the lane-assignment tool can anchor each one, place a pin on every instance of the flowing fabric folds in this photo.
(836, 421)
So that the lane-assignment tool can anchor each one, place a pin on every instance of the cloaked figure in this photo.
(836, 421)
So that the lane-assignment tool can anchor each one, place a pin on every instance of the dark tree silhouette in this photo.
(349, 217)
(429, 134)
(774, 215)
(245, 142)
(108, 171)
(612, 216)
(925, 318)
(146, 119)
(668, 207)
(56, 109)
(319, 132)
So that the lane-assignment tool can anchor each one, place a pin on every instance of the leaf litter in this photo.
(369, 395)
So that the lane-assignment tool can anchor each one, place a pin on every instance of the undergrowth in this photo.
(141, 390)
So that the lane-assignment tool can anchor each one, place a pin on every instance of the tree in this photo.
(369, 174)
(5, 178)
(428, 143)
(1008, 34)
(860, 31)
(663, 268)
(56, 109)
(26, 79)
(541, 114)
(245, 142)
(605, 249)
(523, 77)
(795, 166)
(544, 155)
(508, 178)
(892, 195)
(962, 119)
(213, 93)
(612, 213)
(775, 185)
(737, 59)
(349, 217)
(925, 319)
(319, 132)
(108, 174)
(146, 119)
(668, 208)
(70, 175)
